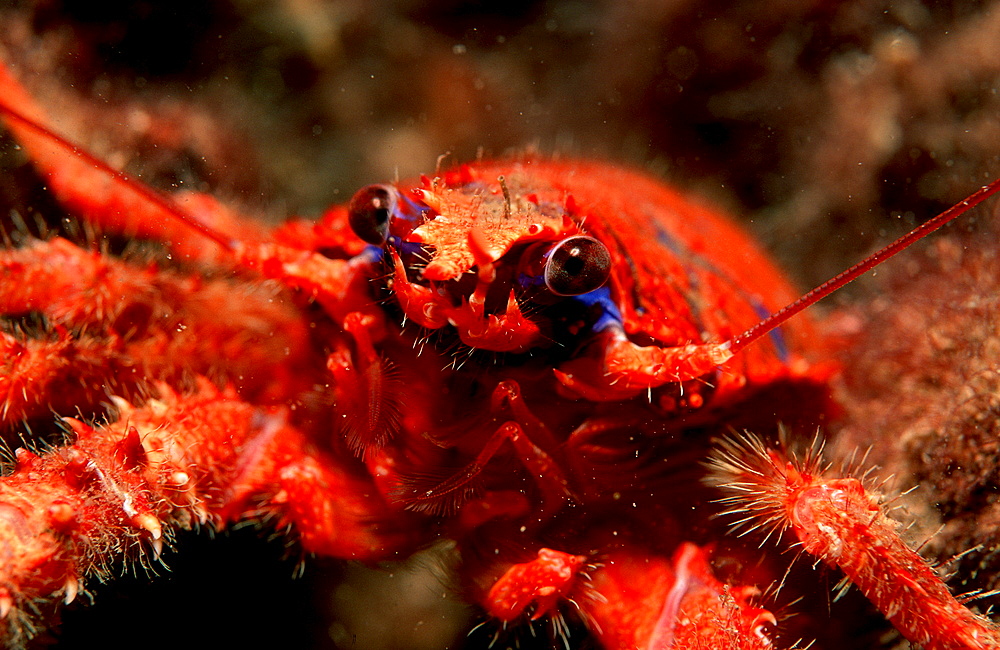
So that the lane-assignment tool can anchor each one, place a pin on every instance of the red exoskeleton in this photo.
(527, 357)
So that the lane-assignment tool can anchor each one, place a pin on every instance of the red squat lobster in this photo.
(567, 333)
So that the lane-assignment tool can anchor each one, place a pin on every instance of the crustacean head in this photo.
(483, 257)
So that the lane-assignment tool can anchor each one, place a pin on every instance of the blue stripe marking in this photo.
(610, 315)
(524, 280)
(414, 212)
(777, 338)
(371, 254)
(405, 247)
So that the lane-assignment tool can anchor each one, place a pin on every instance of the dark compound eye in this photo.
(370, 211)
(577, 265)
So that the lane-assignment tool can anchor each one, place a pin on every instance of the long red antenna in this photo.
(146, 192)
(822, 291)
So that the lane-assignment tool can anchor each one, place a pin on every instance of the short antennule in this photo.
(844, 277)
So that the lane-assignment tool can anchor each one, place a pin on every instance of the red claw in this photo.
(621, 369)
(543, 582)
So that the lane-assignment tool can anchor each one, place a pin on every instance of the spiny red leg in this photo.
(157, 324)
(838, 521)
(70, 285)
(206, 458)
(59, 372)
